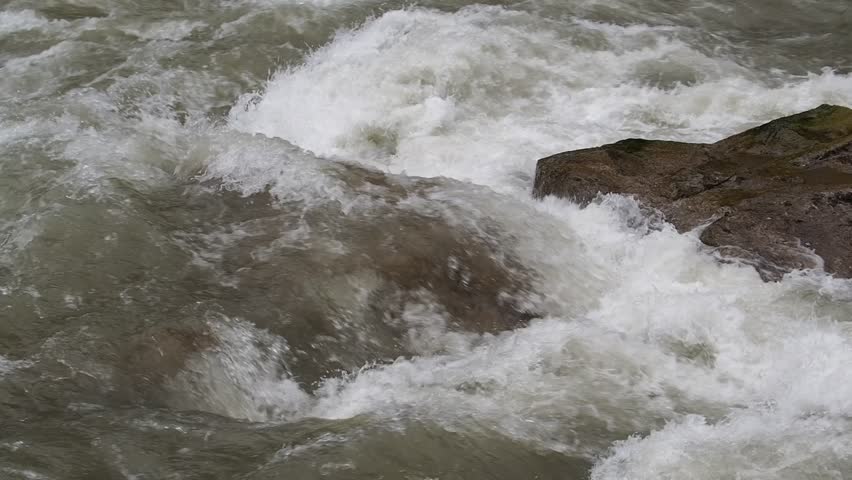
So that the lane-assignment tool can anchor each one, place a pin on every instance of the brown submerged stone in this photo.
(771, 194)
(338, 309)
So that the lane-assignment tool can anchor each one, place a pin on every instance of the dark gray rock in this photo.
(774, 193)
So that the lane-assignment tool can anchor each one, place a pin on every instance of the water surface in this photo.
(266, 239)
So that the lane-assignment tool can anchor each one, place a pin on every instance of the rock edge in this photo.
(773, 195)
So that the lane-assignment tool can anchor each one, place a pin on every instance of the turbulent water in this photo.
(295, 239)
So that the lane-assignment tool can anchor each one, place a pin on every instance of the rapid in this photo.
(266, 239)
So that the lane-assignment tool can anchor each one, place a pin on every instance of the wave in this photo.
(480, 94)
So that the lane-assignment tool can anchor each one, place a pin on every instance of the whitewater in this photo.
(296, 239)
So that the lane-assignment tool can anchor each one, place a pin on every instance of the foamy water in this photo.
(189, 246)
(481, 94)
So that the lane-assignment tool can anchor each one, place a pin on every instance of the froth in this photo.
(640, 325)
(171, 30)
(482, 93)
(8, 366)
(244, 376)
(668, 333)
(759, 445)
(11, 21)
(644, 325)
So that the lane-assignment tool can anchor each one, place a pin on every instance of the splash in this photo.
(643, 353)
(480, 94)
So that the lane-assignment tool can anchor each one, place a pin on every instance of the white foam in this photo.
(254, 165)
(170, 30)
(279, 3)
(756, 445)
(19, 21)
(667, 332)
(642, 326)
(5, 365)
(673, 332)
(35, 75)
(25, 474)
(482, 93)
(8, 366)
(243, 376)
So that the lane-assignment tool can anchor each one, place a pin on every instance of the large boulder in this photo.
(773, 195)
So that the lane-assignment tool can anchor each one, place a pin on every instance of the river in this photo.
(267, 239)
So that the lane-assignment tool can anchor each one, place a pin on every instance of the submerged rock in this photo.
(345, 287)
(773, 195)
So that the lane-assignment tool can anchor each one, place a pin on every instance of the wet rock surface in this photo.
(773, 195)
